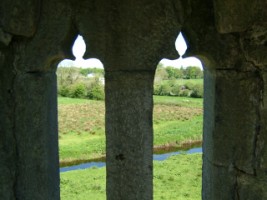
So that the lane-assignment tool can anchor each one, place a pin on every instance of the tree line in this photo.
(75, 83)
(89, 82)
(186, 82)
(170, 73)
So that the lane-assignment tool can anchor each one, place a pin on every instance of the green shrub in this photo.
(156, 89)
(78, 91)
(197, 91)
(96, 92)
(165, 89)
(171, 83)
(175, 90)
(64, 91)
(189, 85)
(184, 93)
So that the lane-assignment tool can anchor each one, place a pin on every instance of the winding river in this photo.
(158, 157)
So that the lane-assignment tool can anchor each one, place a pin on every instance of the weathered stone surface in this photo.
(7, 140)
(232, 135)
(130, 38)
(5, 38)
(233, 16)
(238, 94)
(19, 17)
(204, 41)
(219, 182)
(129, 134)
(238, 16)
(52, 41)
(254, 45)
(37, 162)
(136, 31)
(260, 143)
(251, 188)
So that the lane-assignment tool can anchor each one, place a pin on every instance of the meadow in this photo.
(178, 177)
(177, 122)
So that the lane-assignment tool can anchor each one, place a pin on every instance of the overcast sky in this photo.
(79, 47)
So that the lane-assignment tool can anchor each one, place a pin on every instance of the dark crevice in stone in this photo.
(15, 137)
(34, 72)
(226, 69)
(10, 91)
(234, 167)
(120, 157)
(219, 165)
(255, 146)
(244, 42)
(258, 122)
(240, 171)
(236, 189)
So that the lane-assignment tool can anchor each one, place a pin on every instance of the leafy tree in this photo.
(67, 76)
(193, 73)
(173, 73)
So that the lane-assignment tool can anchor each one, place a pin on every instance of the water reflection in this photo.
(161, 157)
(83, 166)
(158, 157)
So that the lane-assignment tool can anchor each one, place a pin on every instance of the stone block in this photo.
(20, 17)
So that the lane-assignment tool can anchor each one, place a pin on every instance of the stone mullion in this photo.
(231, 130)
(36, 134)
(129, 134)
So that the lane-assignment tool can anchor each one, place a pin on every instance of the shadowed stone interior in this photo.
(130, 38)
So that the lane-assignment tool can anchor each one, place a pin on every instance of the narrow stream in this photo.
(159, 157)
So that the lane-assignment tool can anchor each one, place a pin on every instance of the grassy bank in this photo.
(186, 81)
(81, 125)
(179, 101)
(178, 177)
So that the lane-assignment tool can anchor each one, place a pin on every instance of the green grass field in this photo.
(179, 101)
(177, 120)
(178, 177)
(82, 134)
(81, 125)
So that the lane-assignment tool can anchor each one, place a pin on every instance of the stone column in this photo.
(35, 110)
(129, 134)
(235, 159)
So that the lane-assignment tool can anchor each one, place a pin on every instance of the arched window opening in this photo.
(81, 126)
(178, 121)
(181, 47)
(178, 116)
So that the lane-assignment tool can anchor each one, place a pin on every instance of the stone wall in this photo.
(130, 38)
